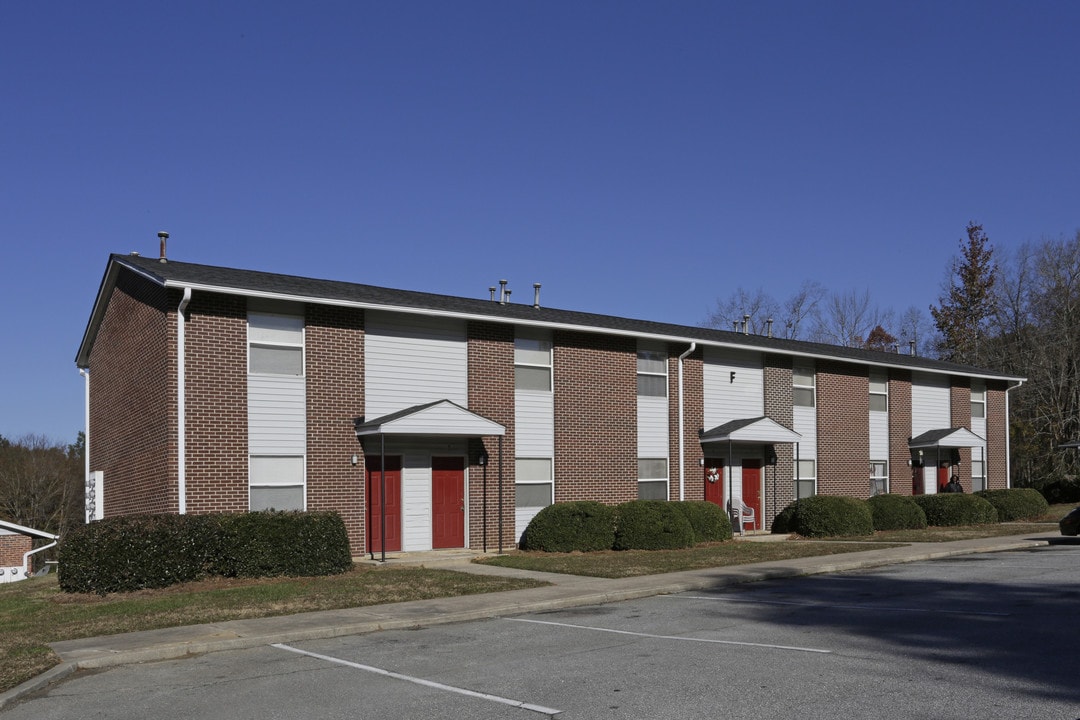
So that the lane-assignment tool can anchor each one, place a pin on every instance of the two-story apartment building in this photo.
(431, 421)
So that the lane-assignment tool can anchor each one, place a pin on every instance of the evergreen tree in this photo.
(969, 302)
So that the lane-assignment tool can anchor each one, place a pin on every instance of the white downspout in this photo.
(1008, 450)
(26, 556)
(86, 444)
(181, 404)
(682, 429)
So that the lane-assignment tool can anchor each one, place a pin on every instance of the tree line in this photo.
(41, 483)
(1018, 314)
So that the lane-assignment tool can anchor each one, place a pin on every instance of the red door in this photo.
(447, 502)
(714, 481)
(942, 478)
(751, 488)
(393, 504)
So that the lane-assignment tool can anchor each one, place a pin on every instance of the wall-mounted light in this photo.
(701, 462)
(355, 459)
(482, 460)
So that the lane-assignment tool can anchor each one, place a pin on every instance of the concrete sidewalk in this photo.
(563, 592)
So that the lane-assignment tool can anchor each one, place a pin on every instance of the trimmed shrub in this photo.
(708, 520)
(826, 516)
(949, 509)
(896, 512)
(565, 527)
(270, 544)
(651, 525)
(135, 552)
(1016, 503)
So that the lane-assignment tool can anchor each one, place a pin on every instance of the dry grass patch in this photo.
(34, 612)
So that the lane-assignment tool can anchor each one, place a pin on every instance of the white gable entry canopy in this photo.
(947, 439)
(442, 418)
(749, 431)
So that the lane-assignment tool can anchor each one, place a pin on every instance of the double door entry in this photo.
(446, 497)
(749, 485)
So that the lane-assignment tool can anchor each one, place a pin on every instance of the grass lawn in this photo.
(34, 612)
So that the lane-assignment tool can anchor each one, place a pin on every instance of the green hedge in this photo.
(949, 509)
(1016, 503)
(826, 516)
(896, 512)
(152, 551)
(651, 525)
(709, 521)
(570, 526)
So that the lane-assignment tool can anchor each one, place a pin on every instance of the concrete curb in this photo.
(570, 592)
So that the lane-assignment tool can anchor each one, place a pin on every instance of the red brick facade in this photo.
(217, 411)
(900, 470)
(843, 411)
(595, 380)
(132, 431)
(134, 440)
(13, 548)
(491, 394)
(334, 369)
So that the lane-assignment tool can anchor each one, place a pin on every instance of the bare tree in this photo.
(848, 318)
(763, 314)
(917, 334)
(41, 483)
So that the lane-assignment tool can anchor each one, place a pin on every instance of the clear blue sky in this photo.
(638, 159)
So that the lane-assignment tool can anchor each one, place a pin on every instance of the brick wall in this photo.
(491, 394)
(217, 414)
(595, 417)
(12, 549)
(960, 416)
(132, 382)
(779, 479)
(843, 412)
(997, 431)
(334, 360)
(693, 420)
(900, 470)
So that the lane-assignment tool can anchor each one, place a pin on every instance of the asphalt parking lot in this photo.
(986, 636)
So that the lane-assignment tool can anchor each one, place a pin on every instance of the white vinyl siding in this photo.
(416, 502)
(412, 360)
(879, 416)
(534, 426)
(733, 385)
(277, 412)
(930, 408)
(652, 404)
(277, 415)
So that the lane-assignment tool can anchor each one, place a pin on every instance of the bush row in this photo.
(152, 551)
(834, 516)
(636, 525)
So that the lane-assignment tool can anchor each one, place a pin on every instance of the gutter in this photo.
(1008, 448)
(682, 425)
(181, 404)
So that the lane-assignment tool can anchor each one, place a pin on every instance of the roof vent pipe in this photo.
(911, 347)
(163, 236)
(491, 290)
(536, 295)
(768, 324)
(735, 325)
(745, 324)
(502, 291)
(508, 291)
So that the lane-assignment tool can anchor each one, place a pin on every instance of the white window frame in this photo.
(302, 484)
(883, 380)
(978, 400)
(647, 356)
(278, 326)
(544, 344)
(801, 477)
(804, 369)
(550, 482)
(645, 478)
(978, 480)
(881, 478)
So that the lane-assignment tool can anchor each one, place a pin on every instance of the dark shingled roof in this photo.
(253, 282)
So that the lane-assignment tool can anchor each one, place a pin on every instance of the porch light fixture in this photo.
(482, 459)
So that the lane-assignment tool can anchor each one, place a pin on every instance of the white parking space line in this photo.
(426, 683)
(890, 608)
(680, 638)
